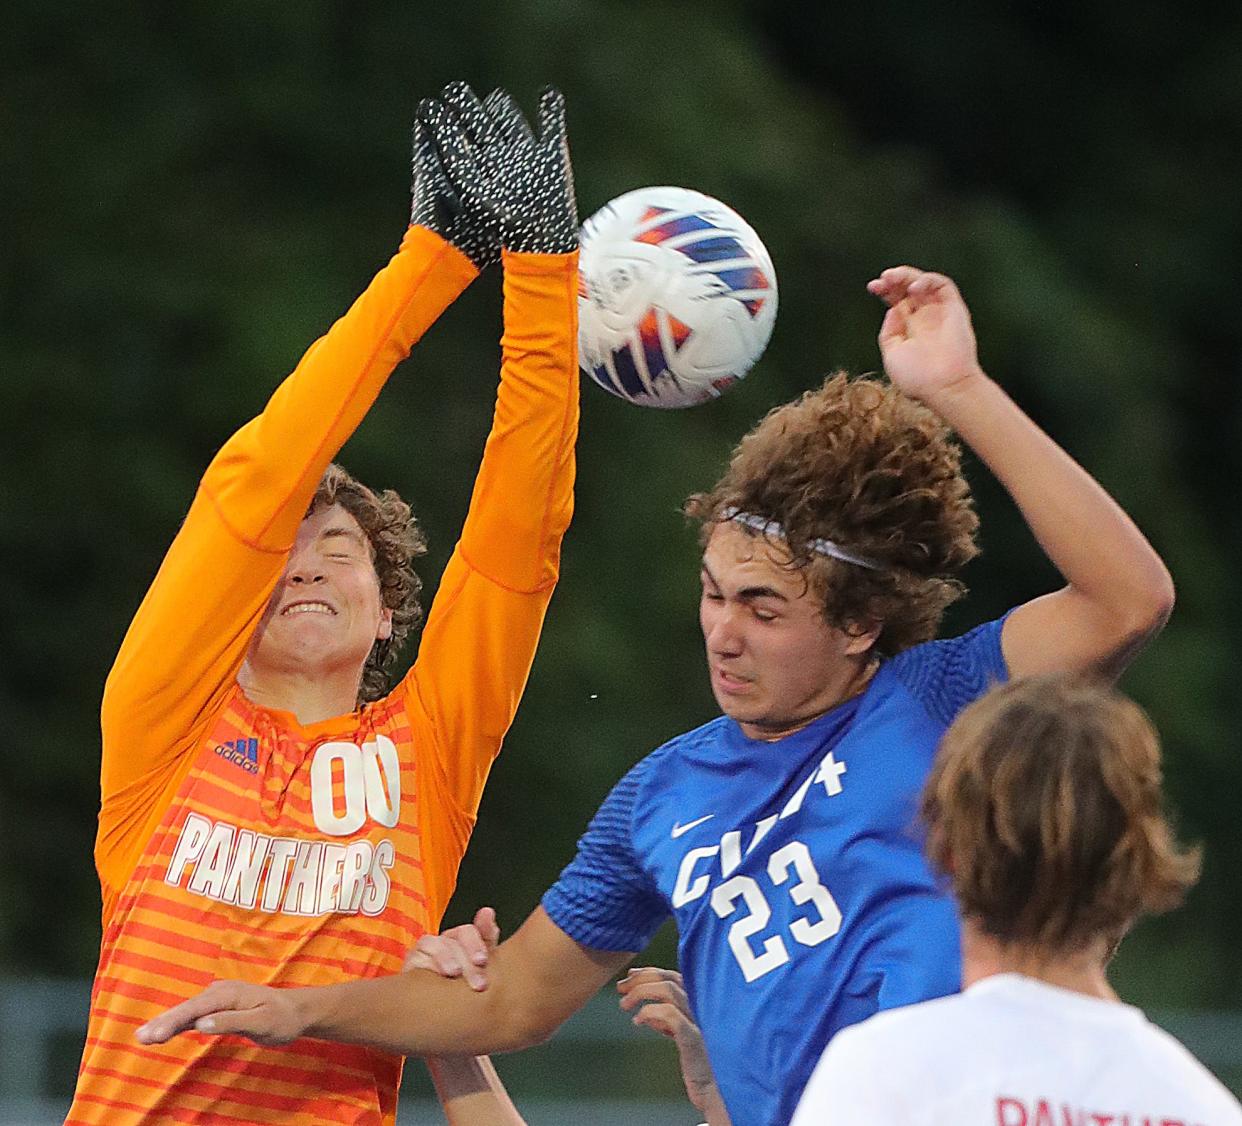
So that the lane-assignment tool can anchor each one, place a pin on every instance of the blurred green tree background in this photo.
(192, 193)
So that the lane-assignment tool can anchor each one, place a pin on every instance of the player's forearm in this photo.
(536, 980)
(471, 1092)
(523, 498)
(714, 1111)
(264, 477)
(417, 1013)
(1096, 547)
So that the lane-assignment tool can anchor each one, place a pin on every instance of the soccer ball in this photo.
(676, 297)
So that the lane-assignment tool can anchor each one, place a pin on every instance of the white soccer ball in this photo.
(676, 297)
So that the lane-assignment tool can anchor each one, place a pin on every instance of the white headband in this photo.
(773, 529)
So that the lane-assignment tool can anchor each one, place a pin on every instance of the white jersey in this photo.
(1013, 1051)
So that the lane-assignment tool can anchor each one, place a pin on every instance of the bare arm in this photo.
(471, 1092)
(537, 979)
(658, 1000)
(1118, 593)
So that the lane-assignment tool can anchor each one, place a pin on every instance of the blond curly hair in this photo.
(396, 541)
(858, 463)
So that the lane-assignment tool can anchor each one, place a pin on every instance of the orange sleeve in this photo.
(186, 643)
(484, 624)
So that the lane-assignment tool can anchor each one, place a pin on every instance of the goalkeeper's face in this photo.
(775, 662)
(326, 612)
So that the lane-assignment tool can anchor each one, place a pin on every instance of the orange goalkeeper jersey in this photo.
(235, 842)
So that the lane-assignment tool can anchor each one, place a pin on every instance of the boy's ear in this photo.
(861, 636)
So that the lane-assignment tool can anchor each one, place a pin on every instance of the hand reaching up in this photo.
(508, 177)
(926, 339)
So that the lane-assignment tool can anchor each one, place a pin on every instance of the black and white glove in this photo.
(435, 204)
(507, 177)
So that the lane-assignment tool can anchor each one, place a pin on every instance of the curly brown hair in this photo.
(858, 463)
(396, 541)
(1044, 807)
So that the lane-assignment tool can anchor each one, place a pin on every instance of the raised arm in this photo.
(537, 979)
(484, 625)
(1118, 593)
(188, 639)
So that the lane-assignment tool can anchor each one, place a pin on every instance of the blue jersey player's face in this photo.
(775, 662)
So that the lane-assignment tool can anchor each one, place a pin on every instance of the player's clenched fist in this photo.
(260, 1013)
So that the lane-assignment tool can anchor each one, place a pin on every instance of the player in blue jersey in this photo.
(782, 836)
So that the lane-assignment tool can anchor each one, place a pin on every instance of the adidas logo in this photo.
(241, 752)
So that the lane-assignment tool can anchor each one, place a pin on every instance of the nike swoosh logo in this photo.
(678, 830)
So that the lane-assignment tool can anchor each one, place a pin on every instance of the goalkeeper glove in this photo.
(434, 204)
(507, 177)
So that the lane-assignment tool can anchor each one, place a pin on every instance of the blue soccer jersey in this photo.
(794, 869)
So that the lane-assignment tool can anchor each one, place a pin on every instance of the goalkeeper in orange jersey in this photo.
(269, 809)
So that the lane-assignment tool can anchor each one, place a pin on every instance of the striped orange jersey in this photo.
(235, 842)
